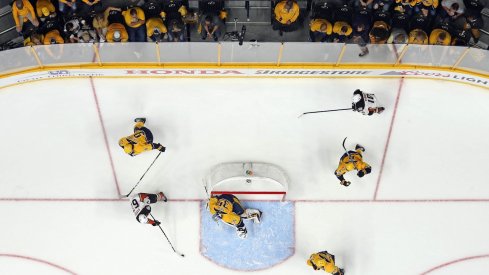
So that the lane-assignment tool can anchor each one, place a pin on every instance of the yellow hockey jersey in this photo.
(323, 261)
(140, 141)
(352, 161)
(228, 207)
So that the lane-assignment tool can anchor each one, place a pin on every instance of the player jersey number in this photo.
(135, 203)
(370, 98)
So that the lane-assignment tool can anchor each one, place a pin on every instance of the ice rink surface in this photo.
(423, 209)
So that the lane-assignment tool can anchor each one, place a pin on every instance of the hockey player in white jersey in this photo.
(365, 103)
(140, 204)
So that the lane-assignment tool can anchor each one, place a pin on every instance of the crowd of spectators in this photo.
(449, 22)
(87, 21)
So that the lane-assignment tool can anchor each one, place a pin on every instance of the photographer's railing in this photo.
(248, 54)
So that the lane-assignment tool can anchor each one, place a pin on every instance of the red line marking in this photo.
(454, 262)
(248, 192)
(39, 261)
(94, 92)
(388, 138)
(299, 201)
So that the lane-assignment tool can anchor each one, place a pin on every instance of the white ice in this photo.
(58, 193)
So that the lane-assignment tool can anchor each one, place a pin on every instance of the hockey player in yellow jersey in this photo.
(140, 141)
(228, 209)
(324, 261)
(352, 160)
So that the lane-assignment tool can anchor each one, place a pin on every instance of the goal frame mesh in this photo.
(249, 179)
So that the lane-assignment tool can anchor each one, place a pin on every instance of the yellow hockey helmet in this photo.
(350, 166)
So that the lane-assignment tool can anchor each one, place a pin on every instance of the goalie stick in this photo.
(208, 198)
(324, 111)
(178, 253)
(126, 196)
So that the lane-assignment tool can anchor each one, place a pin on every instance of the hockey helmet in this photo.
(142, 218)
(350, 166)
(356, 98)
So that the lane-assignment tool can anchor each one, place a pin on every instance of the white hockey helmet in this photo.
(356, 98)
(142, 218)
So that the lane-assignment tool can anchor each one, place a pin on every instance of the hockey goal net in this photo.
(248, 180)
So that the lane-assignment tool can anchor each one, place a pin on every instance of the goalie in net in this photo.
(229, 210)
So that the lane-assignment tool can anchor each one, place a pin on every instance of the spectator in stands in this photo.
(116, 32)
(382, 5)
(34, 39)
(451, 10)
(362, 4)
(320, 29)
(23, 12)
(44, 8)
(53, 37)
(474, 22)
(134, 3)
(404, 6)
(90, 7)
(379, 34)
(341, 31)
(100, 24)
(440, 36)
(427, 8)
(418, 36)
(87, 33)
(71, 29)
(286, 16)
(210, 27)
(176, 30)
(174, 14)
(398, 36)
(155, 29)
(135, 22)
(66, 6)
(460, 37)
(360, 36)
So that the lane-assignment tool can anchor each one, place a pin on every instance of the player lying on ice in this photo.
(140, 204)
(365, 103)
(228, 209)
(324, 261)
(140, 141)
(352, 160)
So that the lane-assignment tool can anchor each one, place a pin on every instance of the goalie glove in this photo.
(345, 183)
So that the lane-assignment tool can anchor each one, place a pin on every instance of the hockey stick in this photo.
(179, 254)
(125, 196)
(325, 111)
(208, 198)
(344, 144)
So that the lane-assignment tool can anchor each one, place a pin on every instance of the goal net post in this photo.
(248, 180)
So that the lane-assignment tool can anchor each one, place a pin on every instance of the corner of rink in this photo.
(268, 243)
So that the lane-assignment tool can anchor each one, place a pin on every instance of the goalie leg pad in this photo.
(253, 214)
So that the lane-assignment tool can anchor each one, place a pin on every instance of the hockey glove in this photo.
(140, 119)
(156, 223)
(159, 147)
(345, 183)
(368, 170)
(361, 173)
